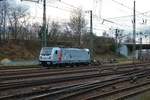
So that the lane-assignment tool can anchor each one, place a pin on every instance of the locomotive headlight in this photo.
(40, 57)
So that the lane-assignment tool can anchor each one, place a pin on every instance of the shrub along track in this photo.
(48, 81)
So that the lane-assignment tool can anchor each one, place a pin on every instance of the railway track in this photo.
(34, 70)
(83, 92)
(45, 81)
(19, 76)
(54, 79)
(14, 86)
(59, 73)
(12, 72)
(26, 73)
(123, 92)
(44, 73)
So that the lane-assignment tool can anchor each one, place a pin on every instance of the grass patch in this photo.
(145, 96)
(142, 96)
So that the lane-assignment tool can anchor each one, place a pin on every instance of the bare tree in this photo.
(3, 10)
(77, 23)
(54, 31)
(15, 15)
(1, 20)
(67, 31)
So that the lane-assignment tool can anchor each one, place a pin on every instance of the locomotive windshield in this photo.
(46, 51)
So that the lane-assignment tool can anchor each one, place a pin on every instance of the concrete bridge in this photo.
(138, 46)
(126, 48)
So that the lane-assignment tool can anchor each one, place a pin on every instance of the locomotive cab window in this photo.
(56, 52)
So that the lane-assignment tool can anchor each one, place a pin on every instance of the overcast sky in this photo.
(102, 9)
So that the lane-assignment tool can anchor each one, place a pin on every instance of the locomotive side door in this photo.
(55, 56)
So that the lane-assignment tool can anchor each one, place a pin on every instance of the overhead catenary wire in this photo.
(72, 6)
(68, 10)
(137, 12)
(120, 17)
(56, 7)
(64, 9)
(122, 4)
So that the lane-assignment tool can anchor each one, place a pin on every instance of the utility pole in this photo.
(44, 36)
(91, 34)
(134, 32)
